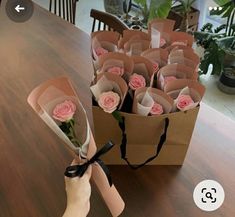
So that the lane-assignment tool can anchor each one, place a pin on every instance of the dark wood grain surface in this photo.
(33, 159)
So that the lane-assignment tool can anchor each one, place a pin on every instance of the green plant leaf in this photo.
(221, 2)
(159, 8)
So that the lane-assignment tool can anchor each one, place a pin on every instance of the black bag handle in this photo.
(121, 123)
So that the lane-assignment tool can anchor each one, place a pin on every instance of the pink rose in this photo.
(100, 51)
(162, 42)
(136, 81)
(169, 78)
(183, 102)
(109, 101)
(116, 70)
(156, 109)
(64, 111)
(155, 66)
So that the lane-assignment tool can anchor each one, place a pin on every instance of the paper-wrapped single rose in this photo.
(183, 102)
(176, 43)
(116, 70)
(136, 81)
(169, 78)
(109, 101)
(162, 42)
(155, 66)
(156, 109)
(100, 51)
(64, 111)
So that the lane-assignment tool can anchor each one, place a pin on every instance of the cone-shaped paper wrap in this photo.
(184, 57)
(132, 35)
(109, 82)
(145, 98)
(157, 56)
(179, 47)
(103, 42)
(162, 25)
(174, 71)
(144, 67)
(43, 99)
(173, 89)
(110, 60)
(181, 38)
(135, 47)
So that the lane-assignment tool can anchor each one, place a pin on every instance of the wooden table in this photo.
(33, 159)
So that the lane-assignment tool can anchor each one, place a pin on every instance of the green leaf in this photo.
(221, 2)
(117, 116)
(159, 9)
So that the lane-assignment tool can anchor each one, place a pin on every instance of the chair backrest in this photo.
(65, 9)
(108, 21)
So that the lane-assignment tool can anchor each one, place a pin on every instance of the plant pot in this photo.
(192, 18)
(227, 80)
(114, 7)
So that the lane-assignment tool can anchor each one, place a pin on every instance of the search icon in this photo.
(209, 195)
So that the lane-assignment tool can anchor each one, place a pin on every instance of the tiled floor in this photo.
(213, 97)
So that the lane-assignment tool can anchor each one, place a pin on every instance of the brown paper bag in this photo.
(144, 137)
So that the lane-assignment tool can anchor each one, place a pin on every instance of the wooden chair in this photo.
(108, 21)
(65, 9)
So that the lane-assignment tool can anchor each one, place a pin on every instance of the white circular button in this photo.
(208, 195)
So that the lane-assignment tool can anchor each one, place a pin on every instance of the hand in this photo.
(78, 192)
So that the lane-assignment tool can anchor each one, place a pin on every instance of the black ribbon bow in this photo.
(79, 170)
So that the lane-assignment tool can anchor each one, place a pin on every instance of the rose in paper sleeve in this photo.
(183, 102)
(64, 113)
(155, 66)
(162, 42)
(116, 70)
(100, 51)
(169, 78)
(109, 101)
(137, 81)
(156, 109)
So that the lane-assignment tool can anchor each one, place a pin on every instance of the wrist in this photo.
(75, 211)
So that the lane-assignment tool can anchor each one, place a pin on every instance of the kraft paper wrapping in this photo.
(182, 36)
(41, 99)
(132, 35)
(145, 97)
(105, 39)
(162, 25)
(158, 55)
(115, 59)
(136, 46)
(144, 67)
(173, 88)
(110, 82)
(178, 70)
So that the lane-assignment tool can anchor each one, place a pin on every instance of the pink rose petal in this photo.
(109, 101)
(100, 51)
(156, 109)
(169, 78)
(116, 70)
(162, 42)
(184, 101)
(155, 66)
(64, 111)
(136, 81)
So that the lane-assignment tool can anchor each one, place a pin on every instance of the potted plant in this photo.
(114, 7)
(219, 45)
(185, 15)
(154, 8)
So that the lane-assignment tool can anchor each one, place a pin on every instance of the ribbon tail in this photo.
(109, 194)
